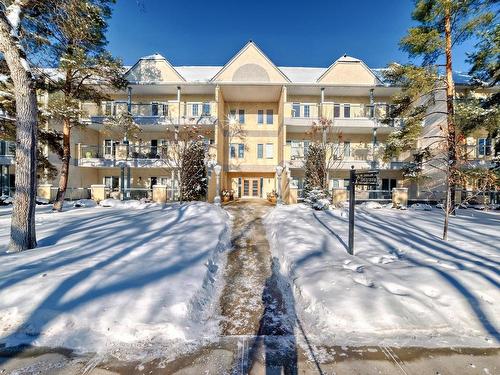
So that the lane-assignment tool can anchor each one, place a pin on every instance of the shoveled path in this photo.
(260, 330)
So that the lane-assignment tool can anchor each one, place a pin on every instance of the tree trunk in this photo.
(22, 234)
(63, 178)
(451, 139)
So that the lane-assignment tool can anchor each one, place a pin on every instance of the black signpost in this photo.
(357, 178)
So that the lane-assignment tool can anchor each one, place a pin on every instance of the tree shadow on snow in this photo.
(136, 229)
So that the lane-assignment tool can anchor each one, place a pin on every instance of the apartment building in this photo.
(274, 108)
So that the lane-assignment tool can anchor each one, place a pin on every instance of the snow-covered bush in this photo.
(371, 205)
(421, 207)
(5, 200)
(319, 199)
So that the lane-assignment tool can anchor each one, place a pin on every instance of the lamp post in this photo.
(217, 170)
(279, 171)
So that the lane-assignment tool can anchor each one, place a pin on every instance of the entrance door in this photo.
(251, 187)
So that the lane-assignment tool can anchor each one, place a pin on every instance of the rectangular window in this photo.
(269, 151)
(484, 146)
(232, 150)
(241, 116)
(108, 147)
(347, 149)
(112, 182)
(206, 109)
(347, 110)
(154, 109)
(269, 116)
(260, 116)
(232, 115)
(241, 150)
(194, 109)
(108, 108)
(260, 151)
(246, 190)
(154, 149)
(336, 110)
(153, 181)
(296, 110)
(307, 110)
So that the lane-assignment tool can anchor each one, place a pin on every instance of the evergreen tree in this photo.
(442, 24)
(49, 138)
(76, 42)
(193, 174)
(315, 168)
(14, 17)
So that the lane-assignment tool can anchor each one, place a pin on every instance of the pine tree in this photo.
(442, 24)
(76, 42)
(12, 17)
(49, 138)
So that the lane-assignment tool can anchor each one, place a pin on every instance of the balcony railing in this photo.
(343, 156)
(123, 152)
(161, 113)
(342, 114)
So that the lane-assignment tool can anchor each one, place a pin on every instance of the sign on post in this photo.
(357, 178)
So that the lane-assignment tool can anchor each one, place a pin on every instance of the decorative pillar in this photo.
(217, 170)
(399, 197)
(279, 171)
(98, 192)
(45, 191)
(160, 193)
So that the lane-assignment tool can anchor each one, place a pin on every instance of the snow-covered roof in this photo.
(154, 56)
(198, 73)
(298, 74)
(345, 58)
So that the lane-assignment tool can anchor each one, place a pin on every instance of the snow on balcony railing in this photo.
(123, 151)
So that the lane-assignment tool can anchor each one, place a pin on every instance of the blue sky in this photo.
(291, 33)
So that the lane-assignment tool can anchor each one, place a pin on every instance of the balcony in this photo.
(129, 155)
(352, 117)
(155, 113)
(123, 155)
(342, 158)
(301, 114)
(7, 152)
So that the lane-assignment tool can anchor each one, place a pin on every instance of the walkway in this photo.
(260, 329)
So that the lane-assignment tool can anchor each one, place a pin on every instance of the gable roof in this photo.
(250, 44)
(157, 58)
(348, 59)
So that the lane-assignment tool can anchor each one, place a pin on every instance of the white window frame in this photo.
(269, 150)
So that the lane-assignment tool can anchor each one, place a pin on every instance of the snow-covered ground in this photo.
(131, 280)
(404, 286)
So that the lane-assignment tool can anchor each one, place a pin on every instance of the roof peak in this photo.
(154, 56)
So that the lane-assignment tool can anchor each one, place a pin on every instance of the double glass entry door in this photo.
(251, 187)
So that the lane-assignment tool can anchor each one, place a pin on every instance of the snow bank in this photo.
(116, 281)
(404, 286)
(128, 204)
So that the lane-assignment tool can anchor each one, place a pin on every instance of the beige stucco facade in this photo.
(273, 108)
